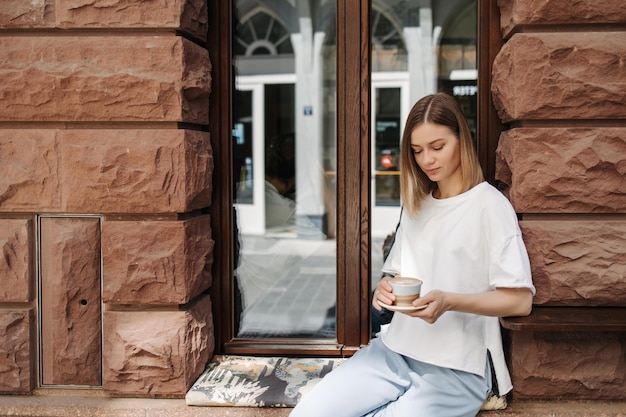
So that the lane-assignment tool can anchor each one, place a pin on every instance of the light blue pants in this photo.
(379, 382)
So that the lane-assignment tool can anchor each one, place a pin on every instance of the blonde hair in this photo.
(441, 109)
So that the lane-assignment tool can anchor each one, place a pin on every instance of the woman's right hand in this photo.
(383, 294)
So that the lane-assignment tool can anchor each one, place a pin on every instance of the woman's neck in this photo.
(450, 186)
(447, 190)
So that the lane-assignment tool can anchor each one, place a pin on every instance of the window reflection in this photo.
(387, 129)
(280, 183)
(284, 151)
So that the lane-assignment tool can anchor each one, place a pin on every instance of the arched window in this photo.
(388, 48)
(262, 34)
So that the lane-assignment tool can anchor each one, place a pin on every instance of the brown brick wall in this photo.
(559, 84)
(104, 116)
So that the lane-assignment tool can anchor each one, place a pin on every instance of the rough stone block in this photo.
(71, 347)
(30, 170)
(552, 76)
(561, 170)
(26, 14)
(118, 171)
(103, 78)
(579, 366)
(17, 352)
(156, 353)
(186, 15)
(156, 262)
(514, 13)
(577, 263)
(16, 263)
(136, 171)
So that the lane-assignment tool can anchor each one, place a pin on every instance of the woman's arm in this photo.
(501, 302)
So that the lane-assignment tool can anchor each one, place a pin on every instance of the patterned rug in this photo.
(252, 381)
(248, 381)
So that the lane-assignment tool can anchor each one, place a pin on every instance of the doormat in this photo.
(248, 381)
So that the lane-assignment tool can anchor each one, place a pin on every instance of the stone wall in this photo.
(107, 171)
(106, 175)
(559, 85)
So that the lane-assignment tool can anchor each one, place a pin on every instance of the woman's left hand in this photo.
(436, 306)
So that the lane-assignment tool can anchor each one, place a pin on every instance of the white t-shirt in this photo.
(469, 243)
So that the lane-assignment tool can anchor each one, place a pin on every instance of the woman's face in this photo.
(436, 151)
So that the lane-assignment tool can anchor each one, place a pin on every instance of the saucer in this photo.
(402, 308)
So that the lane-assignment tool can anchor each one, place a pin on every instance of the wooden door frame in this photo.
(489, 125)
(220, 128)
(353, 46)
(353, 169)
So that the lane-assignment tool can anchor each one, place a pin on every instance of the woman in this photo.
(460, 236)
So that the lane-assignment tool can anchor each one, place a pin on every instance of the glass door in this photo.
(284, 151)
(356, 66)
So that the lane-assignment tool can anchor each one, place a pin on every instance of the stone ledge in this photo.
(94, 404)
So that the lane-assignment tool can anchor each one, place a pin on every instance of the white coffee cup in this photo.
(406, 290)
